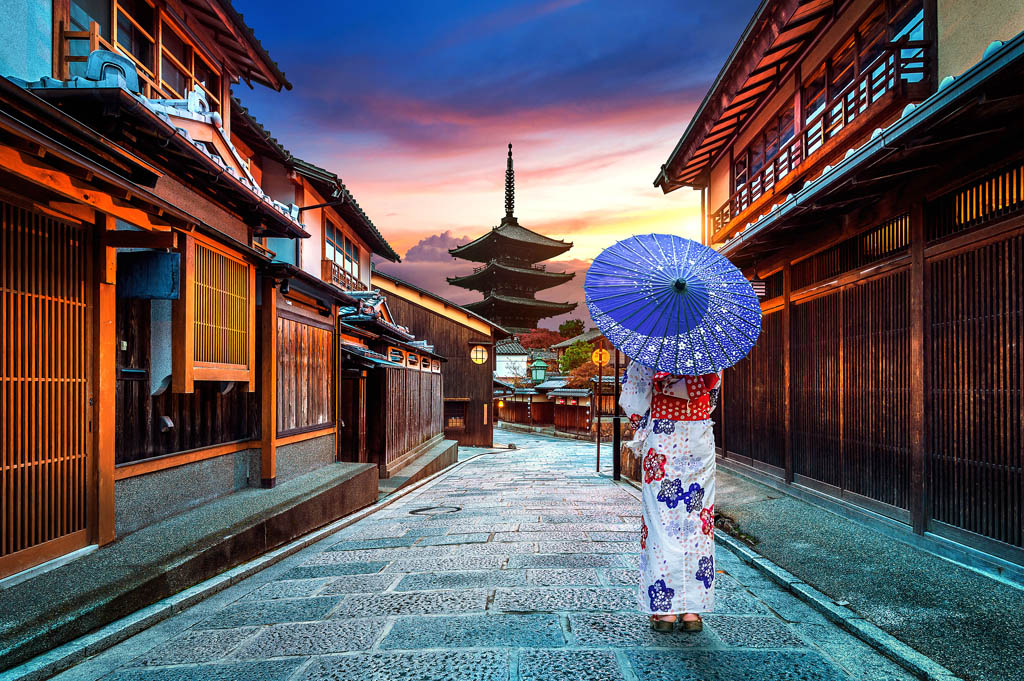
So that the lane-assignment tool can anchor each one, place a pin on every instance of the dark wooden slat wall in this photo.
(204, 418)
(305, 385)
(462, 377)
(852, 364)
(572, 418)
(405, 409)
(975, 366)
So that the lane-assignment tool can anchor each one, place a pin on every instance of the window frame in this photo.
(185, 368)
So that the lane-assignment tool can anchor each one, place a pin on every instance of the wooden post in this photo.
(918, 358)
(787, 369)
(268, 396)
(183, 312)
(105, 379)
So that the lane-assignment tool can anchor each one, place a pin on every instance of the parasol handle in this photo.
(680, 285)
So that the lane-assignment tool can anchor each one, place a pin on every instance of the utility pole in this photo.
(616, 427)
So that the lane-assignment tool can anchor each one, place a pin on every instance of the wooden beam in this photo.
(132, 239)
(268, 396)
(31, 169)
(75, 210)
(104, 380)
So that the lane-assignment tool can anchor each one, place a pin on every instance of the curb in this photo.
(66, 656)
(916, 663)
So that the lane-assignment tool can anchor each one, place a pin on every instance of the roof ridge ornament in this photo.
(510, 185)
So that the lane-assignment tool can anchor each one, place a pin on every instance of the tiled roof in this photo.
(528, 302)
(509, 346)
(584, 337)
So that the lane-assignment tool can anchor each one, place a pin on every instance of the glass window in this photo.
(739, 172)
(842, 68)
(206, 76)
(814, 96)
(136, 26)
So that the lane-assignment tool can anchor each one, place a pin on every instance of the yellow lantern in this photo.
(501, 403)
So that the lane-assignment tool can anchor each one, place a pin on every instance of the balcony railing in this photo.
(334, 273)
(900, 66)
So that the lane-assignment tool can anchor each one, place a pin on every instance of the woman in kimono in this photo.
(671, 415)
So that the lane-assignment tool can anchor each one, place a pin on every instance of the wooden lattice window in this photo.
(981, 203)
(454, 415)
(214, 318)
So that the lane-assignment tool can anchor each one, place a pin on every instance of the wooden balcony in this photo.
(899, 76)
(333, 273)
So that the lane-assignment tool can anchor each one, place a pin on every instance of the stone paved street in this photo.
(518, 564)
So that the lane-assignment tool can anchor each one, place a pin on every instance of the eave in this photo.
(774, 40)
(120, 112)
(986, 100)
(483, 248)
(484, 279)
(498, 301)
(332, 189)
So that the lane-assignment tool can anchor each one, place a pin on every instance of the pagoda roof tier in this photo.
(498, 305)
(495, 273)
(512, 240)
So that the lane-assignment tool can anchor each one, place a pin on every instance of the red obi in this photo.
(682, 398)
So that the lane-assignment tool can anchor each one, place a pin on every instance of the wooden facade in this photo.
(454, 333)
(888, 371)
(152, 325)
(407, 411)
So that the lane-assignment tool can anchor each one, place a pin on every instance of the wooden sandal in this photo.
(662, 626)
(693, 625)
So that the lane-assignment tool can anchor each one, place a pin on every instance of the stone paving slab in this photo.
(535, 578)
(432, 666)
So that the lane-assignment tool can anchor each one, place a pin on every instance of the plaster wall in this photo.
(26, 38)
(718, 188)
(304, 457)
(965, 29)
(146, 499)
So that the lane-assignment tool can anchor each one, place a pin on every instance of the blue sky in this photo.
(413, 104)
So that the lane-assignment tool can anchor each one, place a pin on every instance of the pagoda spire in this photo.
(510, 185)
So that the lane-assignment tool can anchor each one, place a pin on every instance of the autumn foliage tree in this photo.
(540, 339)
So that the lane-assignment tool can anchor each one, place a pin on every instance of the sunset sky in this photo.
(413, 104)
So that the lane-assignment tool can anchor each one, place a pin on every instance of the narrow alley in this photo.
(514, 564)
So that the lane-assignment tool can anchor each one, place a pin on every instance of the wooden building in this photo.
(864, 160)
(398, 401)
(171, 275)
(466, 340)
(511, 275)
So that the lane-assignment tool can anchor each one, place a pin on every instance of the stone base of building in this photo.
(438, 455)
(171, 555)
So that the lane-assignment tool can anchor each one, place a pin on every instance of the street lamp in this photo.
(538, 370)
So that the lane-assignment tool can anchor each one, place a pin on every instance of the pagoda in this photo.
(510, 274)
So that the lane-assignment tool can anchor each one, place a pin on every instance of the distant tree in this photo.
(581, 375)
(540, 339)
(576, 354)
(571, 328)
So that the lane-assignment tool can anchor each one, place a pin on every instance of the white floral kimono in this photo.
(671, 415)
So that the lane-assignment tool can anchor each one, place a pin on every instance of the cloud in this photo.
(434, 248)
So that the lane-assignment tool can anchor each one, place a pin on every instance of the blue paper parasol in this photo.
(673, 304)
